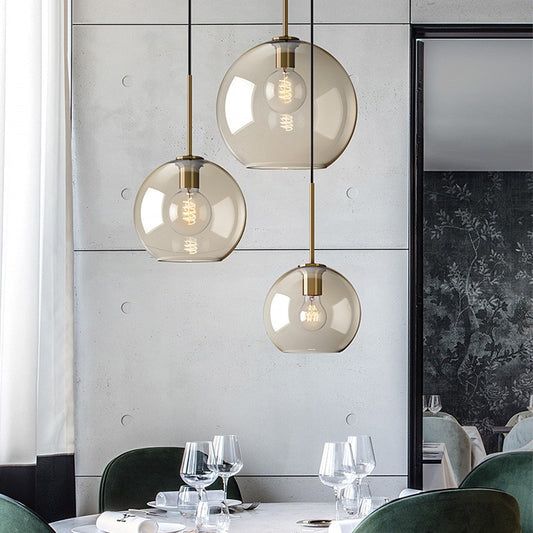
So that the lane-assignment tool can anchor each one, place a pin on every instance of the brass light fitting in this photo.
(312, 279)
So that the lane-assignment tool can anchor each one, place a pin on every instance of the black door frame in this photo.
(418, 33)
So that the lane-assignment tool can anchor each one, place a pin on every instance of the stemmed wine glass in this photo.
(337, 469)
(226, 461)
(364, 460)
(434, 404)
(424, 403)
(195, 471)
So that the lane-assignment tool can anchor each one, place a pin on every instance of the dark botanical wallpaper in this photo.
(478, 288)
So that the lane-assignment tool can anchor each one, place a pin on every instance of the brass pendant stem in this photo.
(285, 18)
(312, 223)
(189, 115)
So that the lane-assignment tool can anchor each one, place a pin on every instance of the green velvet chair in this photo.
(521, 435)
(458, 443)
(511, 472)
(446, 511)
(17, 518)
(135, 477)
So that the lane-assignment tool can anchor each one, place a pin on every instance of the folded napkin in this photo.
(408, 492)
(170, 499)
(112, 522)
(344, 526)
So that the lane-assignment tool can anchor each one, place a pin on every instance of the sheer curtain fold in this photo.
(36, 309)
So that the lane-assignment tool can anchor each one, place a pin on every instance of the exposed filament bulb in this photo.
(285, 89)
(189, 211)
(312, 313)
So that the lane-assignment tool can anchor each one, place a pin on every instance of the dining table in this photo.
(437, 467)
(267, 518)
(501, 432)
(478, 452)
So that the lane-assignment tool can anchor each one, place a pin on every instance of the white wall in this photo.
(168, 353)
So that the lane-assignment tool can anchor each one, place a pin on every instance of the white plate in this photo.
(163, 528)
(172, 508)
(318, 524)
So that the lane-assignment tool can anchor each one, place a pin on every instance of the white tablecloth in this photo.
(267, 518)
(478, 448)
(438, 475)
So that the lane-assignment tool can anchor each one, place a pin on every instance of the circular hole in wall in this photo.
(350, 419)
(126, 419)
(352, 192)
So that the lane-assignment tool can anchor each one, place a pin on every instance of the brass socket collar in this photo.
(285, 51)
(312, 279)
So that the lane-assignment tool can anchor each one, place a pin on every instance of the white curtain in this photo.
(36, 311)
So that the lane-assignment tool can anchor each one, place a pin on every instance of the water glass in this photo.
(434, 404)
(349, 498)
(195, 471)
(187, 501)
(424, 403)
(226, 461)
(337, 469)
(369, 505)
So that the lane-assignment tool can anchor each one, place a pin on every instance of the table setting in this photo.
(195, 509)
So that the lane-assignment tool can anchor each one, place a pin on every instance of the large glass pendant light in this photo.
(312, 308)
(260, 105)
(190, 209)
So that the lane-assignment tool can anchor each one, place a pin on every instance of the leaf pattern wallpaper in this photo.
(478, 288)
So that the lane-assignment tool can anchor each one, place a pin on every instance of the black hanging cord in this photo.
(189, 32)
(312, 90)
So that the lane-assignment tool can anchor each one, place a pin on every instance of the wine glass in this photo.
(364, 459)
(195, 471)
(337, 469)
(434, 403)
(424, 403)
(530, 406)
(226, 461)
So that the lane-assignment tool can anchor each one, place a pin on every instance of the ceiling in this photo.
(478, 104)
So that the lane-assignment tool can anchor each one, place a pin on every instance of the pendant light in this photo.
(312, 308)
(190, 209)
(260, 108)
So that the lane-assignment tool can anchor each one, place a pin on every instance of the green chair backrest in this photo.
(511, 472)
(135, 477)
(521, 435)
(458, 444)
(17, 518)
(446, 511)
(514, 419)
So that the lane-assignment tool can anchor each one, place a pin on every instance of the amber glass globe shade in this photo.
(297, 323)
(263, 110)
(202, 222)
